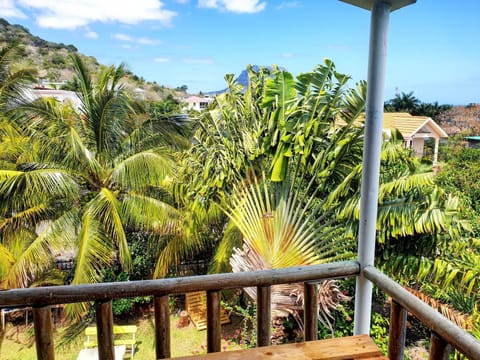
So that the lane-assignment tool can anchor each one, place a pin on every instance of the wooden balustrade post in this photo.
(263, 315)
(42, 323)
(439, 348)
(103, 310)
(162, 327)
(214, 327)
(396, 336)
(310, 311)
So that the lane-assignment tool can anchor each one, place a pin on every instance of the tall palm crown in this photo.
(94, 174)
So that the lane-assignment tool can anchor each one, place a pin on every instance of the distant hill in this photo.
(461, 119)
(54, 66)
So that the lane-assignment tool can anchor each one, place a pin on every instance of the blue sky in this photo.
(433, 45)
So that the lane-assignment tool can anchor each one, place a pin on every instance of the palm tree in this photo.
(13, 147)
(98, 173)
(431, 109)
(281, 228)
(403, 103)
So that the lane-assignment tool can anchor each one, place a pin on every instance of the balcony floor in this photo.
(346, 348)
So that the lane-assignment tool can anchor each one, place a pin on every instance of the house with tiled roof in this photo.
(415, 129)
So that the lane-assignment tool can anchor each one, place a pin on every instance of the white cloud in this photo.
(288, 5)
(287, 55)
(236, 6)
(198, 61)
(161, 59)
(8, 9)
(71, 14)
(91, 35)
(208, 3)
(122, 37)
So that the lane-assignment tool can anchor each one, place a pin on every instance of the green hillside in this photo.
(54, 66)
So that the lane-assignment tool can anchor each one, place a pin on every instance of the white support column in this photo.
(435, 151)
(371, 160)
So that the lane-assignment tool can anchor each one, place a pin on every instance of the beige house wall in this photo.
(417, 146)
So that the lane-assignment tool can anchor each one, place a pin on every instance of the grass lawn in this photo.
(17, 343)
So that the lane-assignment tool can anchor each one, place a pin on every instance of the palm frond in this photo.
(142, 170)
(57, 235)
(78, 153)
(176, 249)
(231, 239)
(149, 214)
(28, 217)
(52, 277)
(24, 188)
(106, 209)
(95, 253)
(7, 259)
(462, 320)
(12, 84)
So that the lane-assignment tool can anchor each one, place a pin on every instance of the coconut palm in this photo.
(95, 176)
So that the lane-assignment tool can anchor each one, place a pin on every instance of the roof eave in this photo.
(440, 132)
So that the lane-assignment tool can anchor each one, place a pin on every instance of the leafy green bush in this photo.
(143, 256)
(122, 306)
(379, 331)
(248, 332)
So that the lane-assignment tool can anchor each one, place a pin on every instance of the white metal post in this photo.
(435, 151)
(371, 160)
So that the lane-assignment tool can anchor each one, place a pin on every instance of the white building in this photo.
(197, 103)
(62, 96)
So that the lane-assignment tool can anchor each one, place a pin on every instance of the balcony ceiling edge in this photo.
(368, 4)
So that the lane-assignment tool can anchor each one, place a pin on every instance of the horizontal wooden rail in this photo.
(436, 322)
(106, 291)
(103, 294)
(41, 298)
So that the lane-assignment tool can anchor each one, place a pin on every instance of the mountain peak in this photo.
(242, 79)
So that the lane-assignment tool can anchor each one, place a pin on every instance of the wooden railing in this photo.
(444, 332)
(40, 299)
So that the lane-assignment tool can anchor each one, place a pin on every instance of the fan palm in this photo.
(95, 176)
(281, 228)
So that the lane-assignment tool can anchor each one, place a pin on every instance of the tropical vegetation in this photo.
(91, 175)
(269, 176)
(407, 102)
(292, 150)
